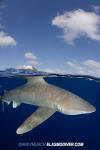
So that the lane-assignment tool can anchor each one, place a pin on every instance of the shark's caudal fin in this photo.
(39, 116)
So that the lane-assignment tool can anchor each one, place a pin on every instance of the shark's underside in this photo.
(48, 98)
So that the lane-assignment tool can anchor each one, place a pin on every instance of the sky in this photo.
(54, 36)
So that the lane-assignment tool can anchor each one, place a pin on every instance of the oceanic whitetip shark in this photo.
(48, 98)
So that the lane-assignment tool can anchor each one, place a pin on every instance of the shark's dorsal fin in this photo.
(34, 79)
(39, 116)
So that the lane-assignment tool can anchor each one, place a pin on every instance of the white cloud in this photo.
(78, 69)
(78, 23)
(61, 71)
(30, 55)
(25, 67)
(92, 64)
(88, 67)
(6, 40)
(95, 72)
(33, 62)
(32, 59)
(49, 70)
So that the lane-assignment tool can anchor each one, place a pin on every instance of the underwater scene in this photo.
(83, 128)
(50, 74)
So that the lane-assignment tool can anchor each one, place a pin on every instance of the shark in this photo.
(49, 99)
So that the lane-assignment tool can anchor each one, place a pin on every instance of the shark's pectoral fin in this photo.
(40, 115)
(16, 104)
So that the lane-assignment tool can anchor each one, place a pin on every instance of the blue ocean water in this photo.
(59, 127)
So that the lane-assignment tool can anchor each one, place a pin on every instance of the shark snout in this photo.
(87, 108)
(74, 105)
